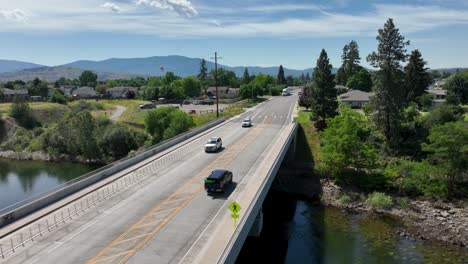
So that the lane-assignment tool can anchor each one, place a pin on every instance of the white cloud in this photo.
(113, 7)
(183, 7)
(13, 14)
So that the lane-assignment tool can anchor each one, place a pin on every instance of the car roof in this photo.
(214, 138)
(247, 118)
(217, 174)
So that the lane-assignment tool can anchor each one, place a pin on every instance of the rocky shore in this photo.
(41, 156)
(447, 222)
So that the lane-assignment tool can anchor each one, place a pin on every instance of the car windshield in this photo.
(212, 141)
(247, 120)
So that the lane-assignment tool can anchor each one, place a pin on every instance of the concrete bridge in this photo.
(152, 208)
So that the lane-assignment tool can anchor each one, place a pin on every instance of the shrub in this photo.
(57, 97)
(22, 113)
(344, 199)
(403, 202)
(379, 200)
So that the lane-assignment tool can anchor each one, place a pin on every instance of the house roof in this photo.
(437, 91)
(121, 89)
(355, 95)
(7, 91)
(85, 90)
(221, 89)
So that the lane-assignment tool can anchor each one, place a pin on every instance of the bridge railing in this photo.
(18, 210)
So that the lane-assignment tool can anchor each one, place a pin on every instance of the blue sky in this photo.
(244, 32)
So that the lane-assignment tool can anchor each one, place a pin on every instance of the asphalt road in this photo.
(157, 220)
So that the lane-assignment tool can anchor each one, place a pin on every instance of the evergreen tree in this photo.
(246, 77)
(324, 92)
(307, 78)
(281, 78)
(362, 80)
(88, 78)
(350, 63)
(302, 78)
(203, 70)
(417, 76)
(305, 100)
(389, 99)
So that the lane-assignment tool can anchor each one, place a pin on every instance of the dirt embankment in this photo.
(447, 222)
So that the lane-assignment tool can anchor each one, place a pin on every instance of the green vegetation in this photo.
(393, 147)
(345, 199)
(22, 113)
(379, 200)
(166, 122)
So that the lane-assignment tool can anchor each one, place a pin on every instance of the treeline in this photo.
(393, 146)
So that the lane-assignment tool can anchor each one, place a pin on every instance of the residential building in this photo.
(438, 96)
(355, 98)
(120, 92)
(8, 95)
(84, 92)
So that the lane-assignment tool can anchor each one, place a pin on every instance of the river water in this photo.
(297, 231)
(20, 180)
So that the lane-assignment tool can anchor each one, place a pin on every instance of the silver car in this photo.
(214, 144)
(247, 122)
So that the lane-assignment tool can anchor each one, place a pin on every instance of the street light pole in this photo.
(216, 83)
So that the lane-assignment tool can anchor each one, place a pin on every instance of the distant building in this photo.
(84, 92)
(438, 96)
(224, 92)
(355, 98)
(9, 95)
(120, 92)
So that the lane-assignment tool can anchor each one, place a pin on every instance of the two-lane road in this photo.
(157, 220)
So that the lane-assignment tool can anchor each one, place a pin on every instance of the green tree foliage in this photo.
(84, 126)
(88, 78)
(166, 122)
(169, 78)
(262, 84)
(246, 77)
(290, 81)
(225, 78)
(457, 86)
(22, 113)
(362, 80)
(389, 99)
(247, 91)
(38, 88)
(305, 100)
(324, 93)
(350, 63)
(57, 97)
(203, 73)
(281, 79)
(415, 178)
(345, 143)
(191, 86)
(117, 141)
(418, 78)
(442, 114)
(448, 148)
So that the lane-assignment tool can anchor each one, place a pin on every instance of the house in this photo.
(67, 90)
(8, 95)
(438, 96)
(84, 92)
(211, 91)
(120, 92)
(355, 98)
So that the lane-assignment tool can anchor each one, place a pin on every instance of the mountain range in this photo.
(122, 68)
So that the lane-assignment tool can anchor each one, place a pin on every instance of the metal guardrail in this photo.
(6, 212)
(10, 243)
(240, 227)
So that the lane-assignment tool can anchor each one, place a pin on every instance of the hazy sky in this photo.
(244, 32)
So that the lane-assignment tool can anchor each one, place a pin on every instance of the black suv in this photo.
(218, 180)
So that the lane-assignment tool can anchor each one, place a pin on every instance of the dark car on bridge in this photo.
(218, 180)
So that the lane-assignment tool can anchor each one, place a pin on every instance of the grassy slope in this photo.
(45, 112)
(311, 135)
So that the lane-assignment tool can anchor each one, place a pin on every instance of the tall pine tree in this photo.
(350, 63)
(389, 99)
(417, 76)
(246, 77)
(203, 70)
(324, 93)
(281, 79)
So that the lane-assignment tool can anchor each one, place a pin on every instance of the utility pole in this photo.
(216, 83)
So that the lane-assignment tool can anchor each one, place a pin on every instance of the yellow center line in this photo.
(239, 148)
(129, 239)
(149, 223)
(112, 256)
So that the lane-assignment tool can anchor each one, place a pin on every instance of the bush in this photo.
(403, 202)
(22, 113)
(167, 122)
(57, 97)
(379, 200)
(345, 199)
(117, 141)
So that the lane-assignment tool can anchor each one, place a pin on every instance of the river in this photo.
(297, 231)
(20, 180)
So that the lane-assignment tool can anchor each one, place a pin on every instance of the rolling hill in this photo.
(12, 65)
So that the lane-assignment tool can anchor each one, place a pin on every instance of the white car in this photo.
(247, 122)
(214, 144)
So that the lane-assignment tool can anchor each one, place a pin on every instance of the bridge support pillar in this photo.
(257, 225)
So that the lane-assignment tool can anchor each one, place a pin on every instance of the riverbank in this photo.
(440, 221)
(42, 156)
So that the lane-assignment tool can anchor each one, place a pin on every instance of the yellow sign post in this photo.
(235, 208)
